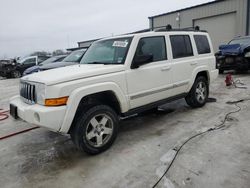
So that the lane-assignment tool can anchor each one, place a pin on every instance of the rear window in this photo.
(181, 46)
(202, 44)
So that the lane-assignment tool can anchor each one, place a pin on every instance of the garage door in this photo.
(221, 28)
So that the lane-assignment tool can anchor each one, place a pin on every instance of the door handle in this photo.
(165, 68)
(193, 63)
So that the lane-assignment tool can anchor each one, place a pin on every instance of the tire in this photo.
(221, 71)
(16, 74)
(198, 95)
(88, 132)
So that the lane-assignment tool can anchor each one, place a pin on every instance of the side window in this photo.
(202, 44)
(30, 61)
(155, 46)
(181, 46)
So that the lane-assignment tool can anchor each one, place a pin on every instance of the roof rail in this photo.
(169, 28)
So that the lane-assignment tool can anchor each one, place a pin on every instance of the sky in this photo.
(46, 25)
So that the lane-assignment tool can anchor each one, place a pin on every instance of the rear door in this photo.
(153, 81)
(183, 62)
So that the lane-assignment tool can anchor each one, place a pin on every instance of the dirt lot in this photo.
(138, 158)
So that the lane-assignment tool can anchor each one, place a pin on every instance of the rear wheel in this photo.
(96, 129)
(198, 95)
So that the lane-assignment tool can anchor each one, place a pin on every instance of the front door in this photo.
(152, 81)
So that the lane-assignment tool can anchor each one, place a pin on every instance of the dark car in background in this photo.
(15, 69)
(234, 56)
(5, 64)
(46, 62)
(72, 59)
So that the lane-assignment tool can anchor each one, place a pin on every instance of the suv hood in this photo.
(232, 49)
(66, 74)
(56, 65)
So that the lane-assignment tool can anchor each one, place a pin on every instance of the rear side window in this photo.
(202, 44)
(155, 46)
(181, 46)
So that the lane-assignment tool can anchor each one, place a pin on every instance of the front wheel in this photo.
(198, 95)
(96, 129)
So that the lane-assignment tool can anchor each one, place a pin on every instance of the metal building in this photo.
(223, 19)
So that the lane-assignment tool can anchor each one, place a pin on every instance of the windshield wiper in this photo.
(95, 62)
(104, 63)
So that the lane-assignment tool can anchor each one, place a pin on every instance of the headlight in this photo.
(40, 93)
(247, 54)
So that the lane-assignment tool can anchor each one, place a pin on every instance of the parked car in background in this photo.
(15, 69)
(4, 64)
(46, 62)
(234, 56)
(72, 59)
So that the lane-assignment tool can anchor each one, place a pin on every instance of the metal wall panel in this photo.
(188, 16)
(219, 33)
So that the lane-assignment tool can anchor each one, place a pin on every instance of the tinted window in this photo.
(202, 44)
(155, 46)
(241, 41)
(74, 56)
(181, 46)
(30, 61)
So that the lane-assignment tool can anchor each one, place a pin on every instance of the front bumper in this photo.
(48, 117)
(232, 63)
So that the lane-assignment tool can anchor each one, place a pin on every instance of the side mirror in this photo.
(141, 60)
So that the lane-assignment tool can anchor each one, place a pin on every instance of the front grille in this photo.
(28, 92)
(229, 60)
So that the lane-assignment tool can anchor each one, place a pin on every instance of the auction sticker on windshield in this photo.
(122, 44)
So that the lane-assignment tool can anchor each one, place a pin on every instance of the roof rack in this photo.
(169, 28)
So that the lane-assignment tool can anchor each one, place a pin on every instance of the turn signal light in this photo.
(56, 102)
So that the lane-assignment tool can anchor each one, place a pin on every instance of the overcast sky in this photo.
(30, 25)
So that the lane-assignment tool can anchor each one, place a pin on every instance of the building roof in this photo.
(196, 6)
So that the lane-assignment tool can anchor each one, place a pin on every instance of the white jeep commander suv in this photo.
(117, 76)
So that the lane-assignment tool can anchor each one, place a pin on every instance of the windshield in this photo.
(111, 51)
(50, 60)
(241, 41)
(75, 56)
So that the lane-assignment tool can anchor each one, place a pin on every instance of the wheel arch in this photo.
(106, 93)
(201, 71)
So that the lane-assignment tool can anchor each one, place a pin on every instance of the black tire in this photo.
(16, 74)
(84, 126)
(194, 98)
(221, 71)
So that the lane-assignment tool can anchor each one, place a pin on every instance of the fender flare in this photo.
(196, 72)
(79, 93)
